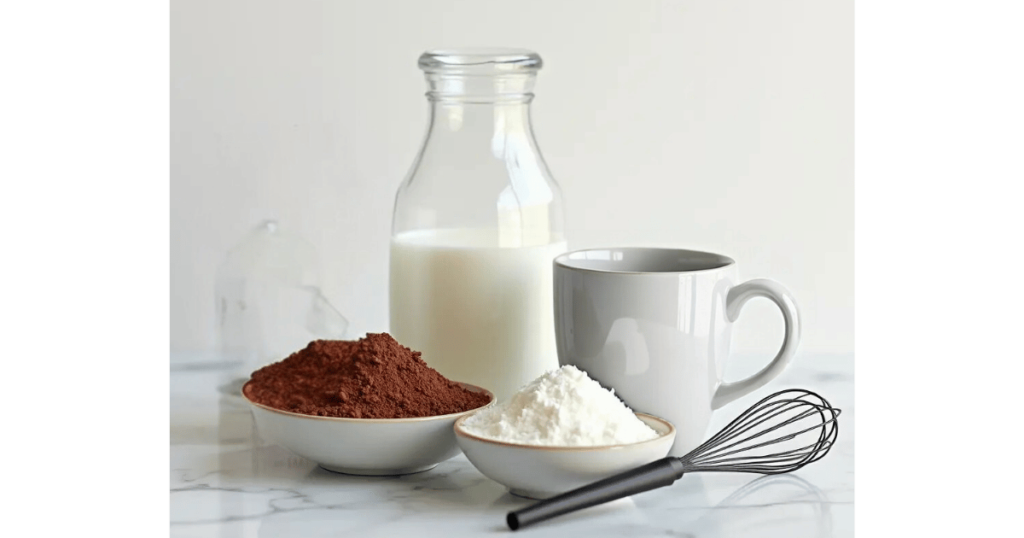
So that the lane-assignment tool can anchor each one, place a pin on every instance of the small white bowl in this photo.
(540, 472)
(364, 446)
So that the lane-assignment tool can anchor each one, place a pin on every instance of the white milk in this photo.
(480, 314)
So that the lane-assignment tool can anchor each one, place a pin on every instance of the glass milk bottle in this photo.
(477, 223)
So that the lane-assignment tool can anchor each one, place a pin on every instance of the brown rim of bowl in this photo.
(466, 386)
(671, 431)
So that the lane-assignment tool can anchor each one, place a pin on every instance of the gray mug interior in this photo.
(642, 260)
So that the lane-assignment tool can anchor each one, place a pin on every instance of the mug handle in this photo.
(737, 297)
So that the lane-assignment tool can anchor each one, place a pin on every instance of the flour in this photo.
(563, 407)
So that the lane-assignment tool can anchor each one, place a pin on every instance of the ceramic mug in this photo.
(655, 324)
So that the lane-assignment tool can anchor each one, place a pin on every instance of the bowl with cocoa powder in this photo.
(367, 407)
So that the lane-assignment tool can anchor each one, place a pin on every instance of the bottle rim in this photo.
(480, 61)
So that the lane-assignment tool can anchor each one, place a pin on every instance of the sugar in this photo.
(563, 407)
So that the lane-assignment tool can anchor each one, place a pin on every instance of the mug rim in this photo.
(562, 261)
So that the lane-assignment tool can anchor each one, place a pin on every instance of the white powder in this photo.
(563, 407)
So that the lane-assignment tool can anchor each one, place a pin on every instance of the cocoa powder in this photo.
(375, 377)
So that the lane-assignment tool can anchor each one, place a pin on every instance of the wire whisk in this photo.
(779, 434)
(783, 417)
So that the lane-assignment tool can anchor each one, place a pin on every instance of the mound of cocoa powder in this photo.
(375, 377)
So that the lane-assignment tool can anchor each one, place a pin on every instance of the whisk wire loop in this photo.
(780, 421)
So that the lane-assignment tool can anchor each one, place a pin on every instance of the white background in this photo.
(723, 126)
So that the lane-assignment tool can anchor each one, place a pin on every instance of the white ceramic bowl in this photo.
(364, 446)
(540, 472)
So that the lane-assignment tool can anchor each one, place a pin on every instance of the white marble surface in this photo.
(227, 482)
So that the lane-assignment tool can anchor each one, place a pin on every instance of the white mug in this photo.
(654, 325)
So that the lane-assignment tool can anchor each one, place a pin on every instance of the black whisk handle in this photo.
(651, 476)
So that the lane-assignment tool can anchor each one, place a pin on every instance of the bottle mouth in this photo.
(480, 61)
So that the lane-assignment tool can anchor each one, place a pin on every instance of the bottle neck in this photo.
(486, 113)
(481, 89)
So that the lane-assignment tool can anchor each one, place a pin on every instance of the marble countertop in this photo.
(227, 482)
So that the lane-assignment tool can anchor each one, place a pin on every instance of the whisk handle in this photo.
(651, 476)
